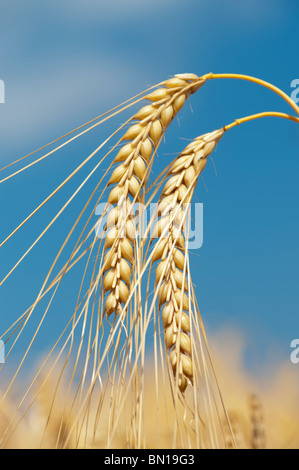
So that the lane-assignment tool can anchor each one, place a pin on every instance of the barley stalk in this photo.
(170, 251)
(128, 178)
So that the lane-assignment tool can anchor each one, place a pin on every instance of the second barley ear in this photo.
(170, 252)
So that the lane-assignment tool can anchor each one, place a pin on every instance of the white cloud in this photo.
(51, 91)
(118, 9)
(265, 11)
(114, 10)
(64, 96)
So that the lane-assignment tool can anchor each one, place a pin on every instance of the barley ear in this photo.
(171, 278)
(257, 423)
(129, 177)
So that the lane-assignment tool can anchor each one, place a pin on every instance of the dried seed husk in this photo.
(174, 82)
(155, 131)
(115, 194)
(185, 343)
(164, 292)
(180, 279)
(170, 337)
(183, 382)
(167, 314)
(182, 320)
(182, 192)
(146, 149)
(171, 183)
(159, 249)
(125, 270)
(179, 259)
(109, 280)
(133, 132)
(189, 176)
(179, 103)
(181, 163)
(110, 260)
(178, 237)
(188, 76)
(123, 292)
(157, 95)
(200, 165)
(112, 217)
(124, 153)
(145, 112)
(117, 174)
(160, 268)
(110, 304)
(134, 186)
(167, 204)
(139, 168)
(167, 116)
(187, 365)
(130, 230)
(182, 300)
(161, 228)
(111, 235)
(127, 249)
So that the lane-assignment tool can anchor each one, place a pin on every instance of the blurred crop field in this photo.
(272, 389)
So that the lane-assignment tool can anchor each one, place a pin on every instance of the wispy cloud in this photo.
(120, 9)
(72, 93)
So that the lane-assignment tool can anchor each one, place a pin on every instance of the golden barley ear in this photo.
(52, 424)
(170, 250)
(258, 440)
(234, 431)
(129, 178)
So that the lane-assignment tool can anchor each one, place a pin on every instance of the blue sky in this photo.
(64, 63)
